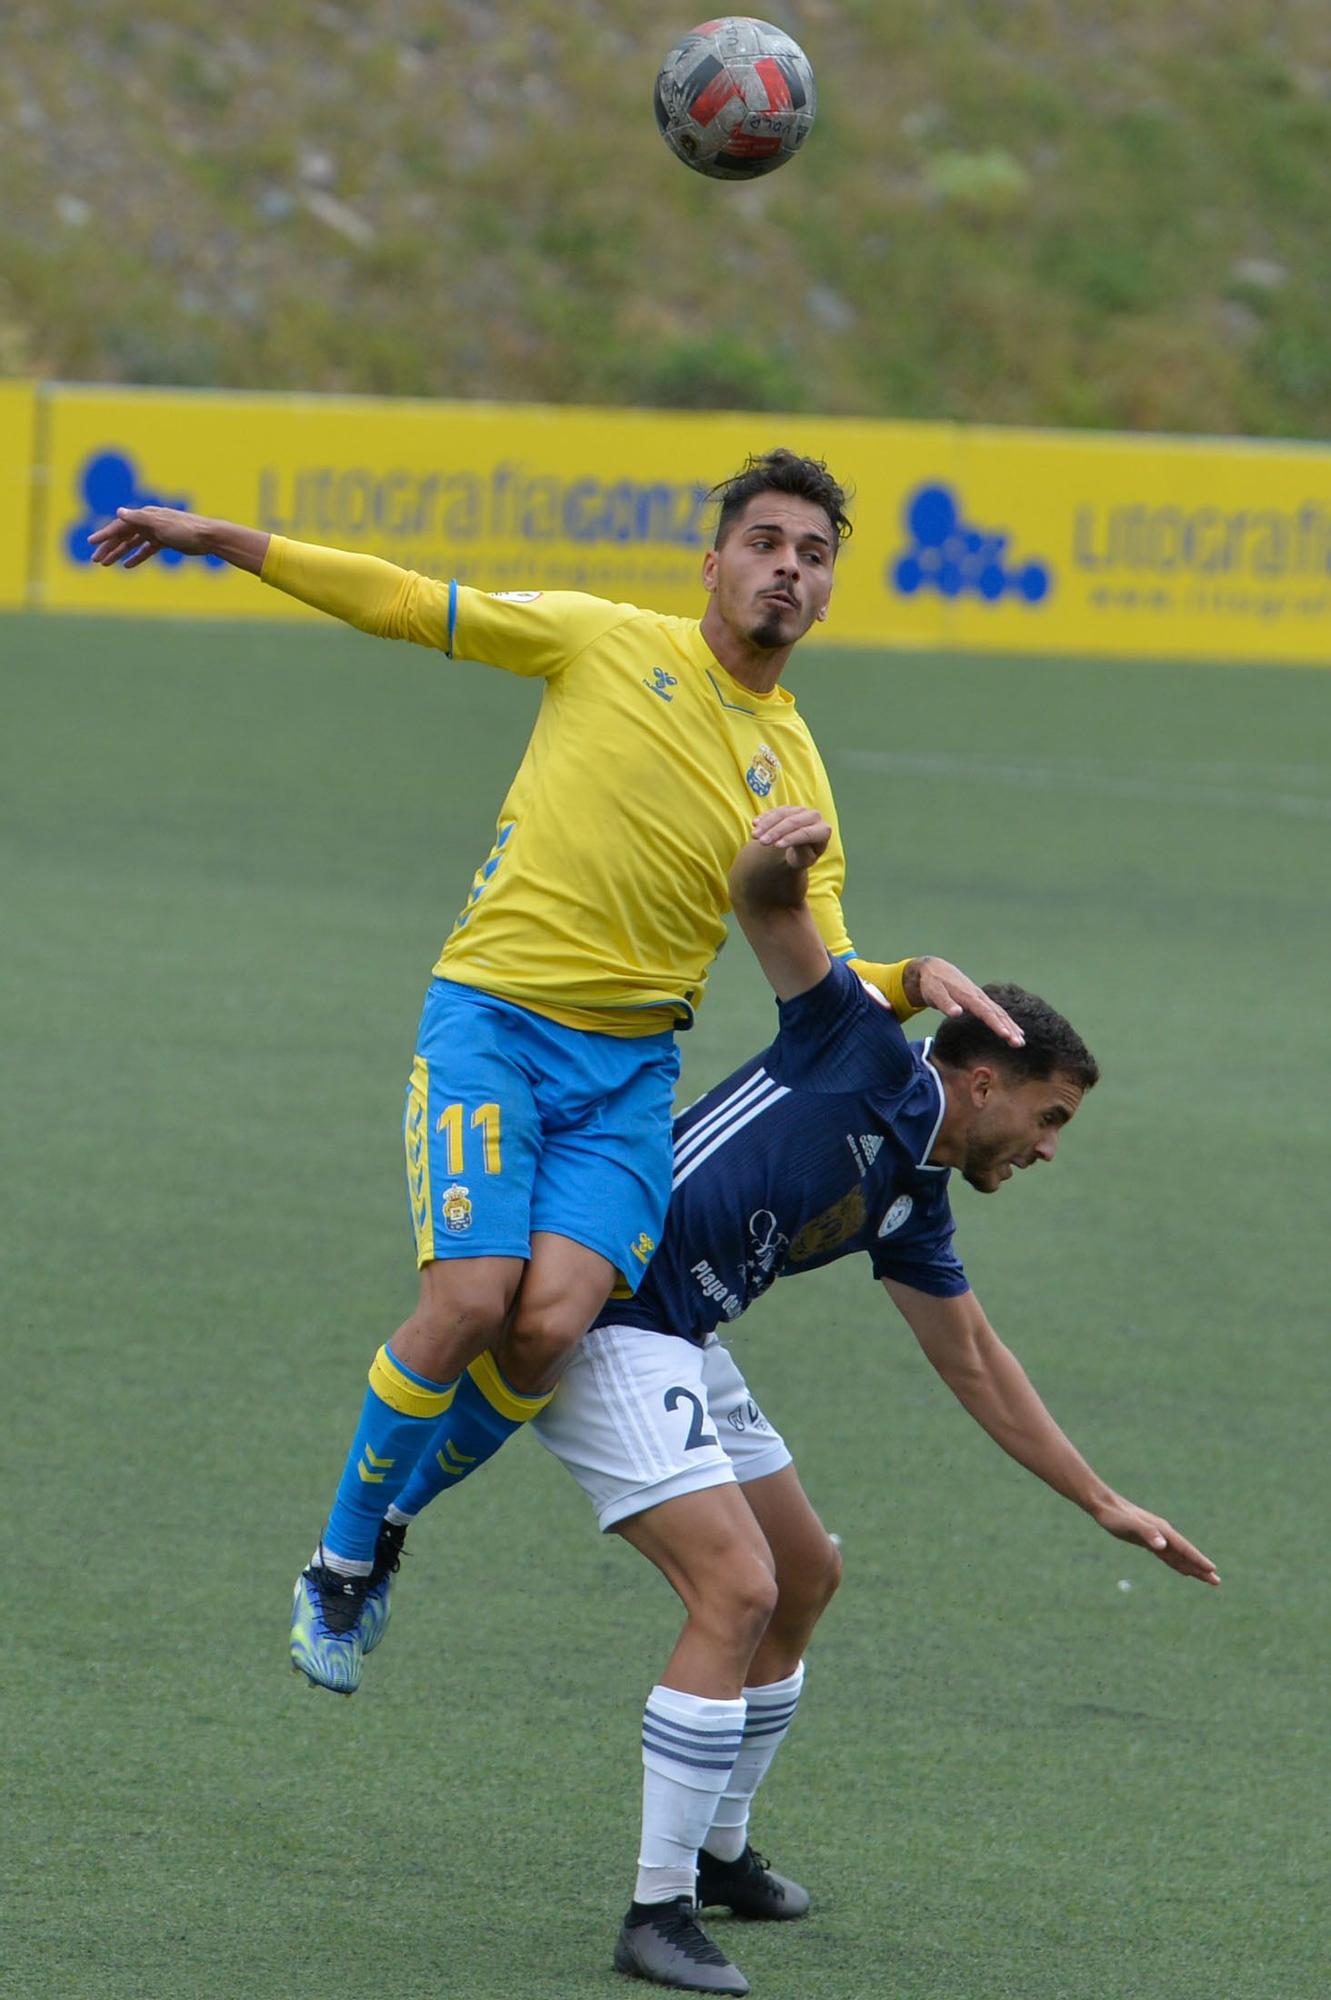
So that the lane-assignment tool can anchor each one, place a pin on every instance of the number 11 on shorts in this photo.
(485, 1119)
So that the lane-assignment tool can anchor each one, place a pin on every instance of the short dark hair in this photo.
(1052, 1044)
(781, 471)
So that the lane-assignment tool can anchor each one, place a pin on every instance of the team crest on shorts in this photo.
(763, 772)
(896, 1215)
(643, 1248)
(456, 1205)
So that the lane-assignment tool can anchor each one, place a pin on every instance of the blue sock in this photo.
(397, 1419)
(483, 1414)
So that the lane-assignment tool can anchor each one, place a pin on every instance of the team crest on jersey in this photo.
(896, 1215)
(828, 1231)
(456, 1205)
(517, 596)
(763, 772)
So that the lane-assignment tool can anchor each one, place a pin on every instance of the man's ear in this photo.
(980, 1083)
(709, 570)
(821, 613)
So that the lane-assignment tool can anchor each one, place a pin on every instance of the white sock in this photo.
(688, 1748)
(340, 1565)
(397, 1517)
(768, 1714)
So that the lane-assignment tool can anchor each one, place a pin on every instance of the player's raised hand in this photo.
(138, 533)
(933, 982)
(799, 832)
(1120, 1518)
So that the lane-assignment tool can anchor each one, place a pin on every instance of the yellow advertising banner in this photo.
(968, 538)
(18, 416)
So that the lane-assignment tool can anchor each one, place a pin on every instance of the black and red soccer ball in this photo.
(735, 98)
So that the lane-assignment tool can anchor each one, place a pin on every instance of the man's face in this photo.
(772, 576)
(1013, 1124)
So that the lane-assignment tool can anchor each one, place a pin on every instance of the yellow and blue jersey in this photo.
(814, 1150)
(602, 901)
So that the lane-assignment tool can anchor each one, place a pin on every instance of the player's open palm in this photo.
(137, 533)
(1133, 1524)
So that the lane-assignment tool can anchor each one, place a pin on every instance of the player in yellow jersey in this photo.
(538, 1115)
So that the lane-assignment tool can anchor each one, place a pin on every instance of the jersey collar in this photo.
(729, 692)
(927, 1060)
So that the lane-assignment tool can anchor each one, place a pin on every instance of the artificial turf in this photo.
(230, 854)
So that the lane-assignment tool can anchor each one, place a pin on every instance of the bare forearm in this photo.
(762, 881)
(993, 1386)
(243, 548)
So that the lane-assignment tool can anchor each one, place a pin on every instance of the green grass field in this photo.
(230, 855)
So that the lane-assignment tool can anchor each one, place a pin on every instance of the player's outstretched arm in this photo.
(768, 893)
(139, 533)
(988, 1380)
(364, 591)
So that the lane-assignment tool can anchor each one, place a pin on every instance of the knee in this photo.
(740, 1598)
(536, 1344)
(807, 1591)
(459, 1311)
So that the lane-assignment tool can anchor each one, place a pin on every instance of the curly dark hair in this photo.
(1053, 1046)
(781, 471)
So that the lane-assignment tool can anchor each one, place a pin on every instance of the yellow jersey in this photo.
(602, 901)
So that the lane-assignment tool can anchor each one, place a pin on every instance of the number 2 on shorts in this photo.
(698, 1432)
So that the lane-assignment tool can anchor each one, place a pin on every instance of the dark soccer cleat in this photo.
(325, 1628)
(664, 1942)
(379, 1589)
(749, 1888)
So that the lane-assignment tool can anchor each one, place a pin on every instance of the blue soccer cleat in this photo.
(326, 1641)
(378, 1603)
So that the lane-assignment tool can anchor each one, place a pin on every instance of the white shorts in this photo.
(641, 1417)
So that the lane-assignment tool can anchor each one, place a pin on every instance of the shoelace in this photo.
(341, 1599)
(388, 1554)
(678, 1926)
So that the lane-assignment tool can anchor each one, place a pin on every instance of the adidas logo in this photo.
(865, 1149)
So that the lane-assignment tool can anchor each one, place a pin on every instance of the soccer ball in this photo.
(735, 98)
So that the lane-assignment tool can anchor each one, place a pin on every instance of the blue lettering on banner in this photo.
(948, 555)
(507, 503)
(110, 479)
(1167, 540)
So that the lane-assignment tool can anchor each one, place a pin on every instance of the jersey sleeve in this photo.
(840, 1036)
(364, 591)
(532, 632)
(827, 877)
(920, 1253)
(827, 882)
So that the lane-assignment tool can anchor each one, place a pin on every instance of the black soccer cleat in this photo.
(665, 1943)
(378, 1604)
(749, 1888)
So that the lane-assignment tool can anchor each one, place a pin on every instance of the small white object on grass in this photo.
(1124, 1584)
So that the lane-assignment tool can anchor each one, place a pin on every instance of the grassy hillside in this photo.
(1054, 213)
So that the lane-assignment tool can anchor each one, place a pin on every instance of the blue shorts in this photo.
(514, 1123)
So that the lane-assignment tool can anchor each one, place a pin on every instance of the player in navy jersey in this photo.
(839, 1137)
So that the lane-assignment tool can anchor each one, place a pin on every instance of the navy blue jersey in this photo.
(811, 1151)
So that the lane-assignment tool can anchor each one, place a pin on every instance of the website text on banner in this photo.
(1027, 541)
(18, 407)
